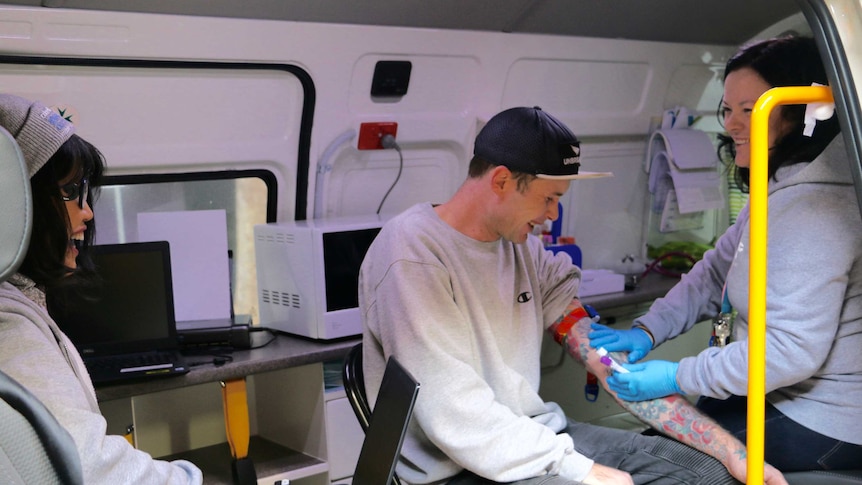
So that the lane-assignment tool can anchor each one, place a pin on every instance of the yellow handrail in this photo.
(757, 264)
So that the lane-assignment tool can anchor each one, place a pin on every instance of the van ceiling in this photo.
(729, 22)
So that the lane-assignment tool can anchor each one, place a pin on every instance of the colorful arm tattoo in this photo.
(673, 416)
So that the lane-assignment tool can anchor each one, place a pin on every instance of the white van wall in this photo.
(608, 91)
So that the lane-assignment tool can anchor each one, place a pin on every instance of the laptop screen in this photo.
(129, 310)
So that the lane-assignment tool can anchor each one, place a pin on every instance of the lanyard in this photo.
(721, 324)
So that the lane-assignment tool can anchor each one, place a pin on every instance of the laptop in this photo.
(127, 329)
(388, 426)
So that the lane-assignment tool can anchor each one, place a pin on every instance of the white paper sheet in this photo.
(199, 259)
(689, 157)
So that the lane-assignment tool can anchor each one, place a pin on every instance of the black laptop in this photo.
(126, 329)
(388, 426)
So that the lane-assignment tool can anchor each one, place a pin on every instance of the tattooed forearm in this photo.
(676, 417)
(575, 342)
(673, 416)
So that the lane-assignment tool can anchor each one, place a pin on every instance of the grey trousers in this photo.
(652, 460)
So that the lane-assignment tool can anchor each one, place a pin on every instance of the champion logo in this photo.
(525, 297)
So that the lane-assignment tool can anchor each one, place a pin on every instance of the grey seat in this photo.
(34, 448)
(16, 217)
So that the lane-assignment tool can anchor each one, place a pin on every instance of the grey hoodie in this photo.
(814, 301)
(34, 352)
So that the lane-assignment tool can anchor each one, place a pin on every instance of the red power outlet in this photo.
(371, 133)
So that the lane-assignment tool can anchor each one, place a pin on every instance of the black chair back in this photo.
(354, 386)
(398, 398)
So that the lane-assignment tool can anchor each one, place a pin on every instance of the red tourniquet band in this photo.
(568, 322)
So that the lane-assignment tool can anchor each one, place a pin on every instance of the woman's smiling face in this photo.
(741, 90)
(78, 212)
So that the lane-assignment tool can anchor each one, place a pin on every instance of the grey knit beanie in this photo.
(38, 130)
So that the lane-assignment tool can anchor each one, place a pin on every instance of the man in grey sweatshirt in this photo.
(462, 294)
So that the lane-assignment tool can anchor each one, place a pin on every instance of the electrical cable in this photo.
(388, 141)
(218, 360)
(558, 364)
(272, 332)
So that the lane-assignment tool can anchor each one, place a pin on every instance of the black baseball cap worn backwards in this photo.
(529, 140)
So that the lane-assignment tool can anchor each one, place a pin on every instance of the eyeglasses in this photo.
(76, 191)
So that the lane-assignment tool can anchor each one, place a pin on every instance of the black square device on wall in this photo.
(391, 78)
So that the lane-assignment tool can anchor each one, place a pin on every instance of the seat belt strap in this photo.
(236, 417)
(237, 429)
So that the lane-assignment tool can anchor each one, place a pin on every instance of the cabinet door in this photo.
(344, 438)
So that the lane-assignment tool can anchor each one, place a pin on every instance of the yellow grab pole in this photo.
(757, 264)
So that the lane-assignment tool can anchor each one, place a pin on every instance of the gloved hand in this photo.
(635, 341)
(646, 381)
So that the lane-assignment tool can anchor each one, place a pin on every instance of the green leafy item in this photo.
(673, 254)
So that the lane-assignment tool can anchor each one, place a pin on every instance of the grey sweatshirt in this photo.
(814, 301)
(34, 352)
(467, 319)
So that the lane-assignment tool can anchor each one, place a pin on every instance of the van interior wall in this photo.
(155, 120)
(609, 91)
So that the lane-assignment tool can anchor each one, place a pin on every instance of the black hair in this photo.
(782, 61)
(49, 239)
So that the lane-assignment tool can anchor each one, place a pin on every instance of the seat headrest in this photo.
(16, 206)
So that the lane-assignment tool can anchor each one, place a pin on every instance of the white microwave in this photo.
(308, 274)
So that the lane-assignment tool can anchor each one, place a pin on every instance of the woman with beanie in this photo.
(64, 171)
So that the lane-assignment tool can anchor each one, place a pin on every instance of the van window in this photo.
(247, 197)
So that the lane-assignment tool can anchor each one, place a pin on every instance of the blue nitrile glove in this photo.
(635, 341)
(650, 380)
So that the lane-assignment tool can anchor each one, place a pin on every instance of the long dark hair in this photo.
(46, 255)
(782, 61)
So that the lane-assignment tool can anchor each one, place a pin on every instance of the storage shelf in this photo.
(271, 461)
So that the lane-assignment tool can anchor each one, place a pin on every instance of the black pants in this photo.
(789, 446)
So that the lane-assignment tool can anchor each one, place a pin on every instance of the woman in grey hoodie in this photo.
(33, 350)
(814, 283)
